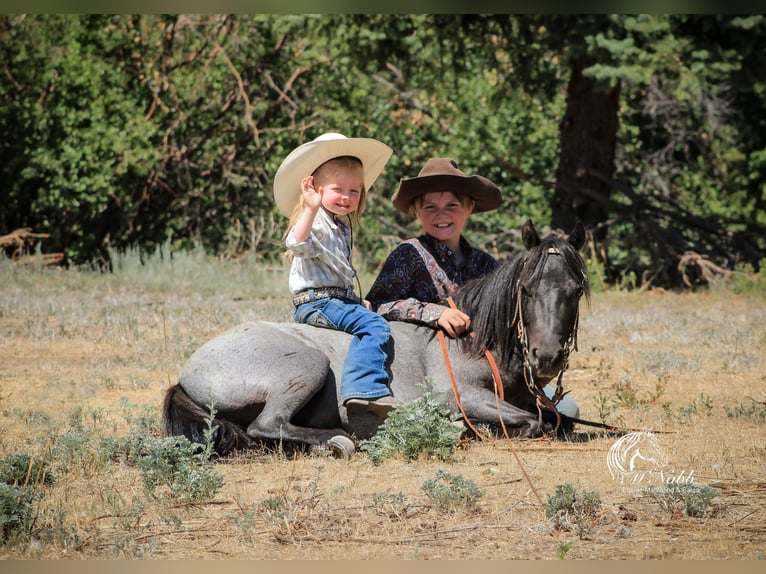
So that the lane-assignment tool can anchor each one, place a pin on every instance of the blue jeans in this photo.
(365, 374)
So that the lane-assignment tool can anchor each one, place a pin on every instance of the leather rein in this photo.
(541, 399)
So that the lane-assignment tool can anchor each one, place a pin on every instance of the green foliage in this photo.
(604, 405)
(83, 126)
(423, 426)
(702, 405)
(16, 511)
(596, 274)
(755, 410)
(746, 282)
(562, 549)
(448, 491)
(72, 451)
(570, 509)
(181, 466)
(692, 135)
(24, 470)
(136, 131)
(136, 134)
(691, 499)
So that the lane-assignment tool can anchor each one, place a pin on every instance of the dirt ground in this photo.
(688, 366)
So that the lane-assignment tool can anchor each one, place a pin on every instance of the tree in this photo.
(690, 159)
(144, 130)
(662, 139)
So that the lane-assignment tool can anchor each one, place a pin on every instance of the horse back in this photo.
(246, 363)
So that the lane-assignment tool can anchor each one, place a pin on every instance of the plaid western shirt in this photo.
(324, 259)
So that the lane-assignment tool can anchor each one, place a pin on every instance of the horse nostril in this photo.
(550, 359)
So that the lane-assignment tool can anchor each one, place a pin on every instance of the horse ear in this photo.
(577, 237)
(529, 235)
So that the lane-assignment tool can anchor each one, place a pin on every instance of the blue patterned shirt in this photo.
(406, 289)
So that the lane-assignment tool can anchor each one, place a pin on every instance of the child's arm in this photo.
(313, 200)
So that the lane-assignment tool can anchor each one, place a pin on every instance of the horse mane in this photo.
(491, 301)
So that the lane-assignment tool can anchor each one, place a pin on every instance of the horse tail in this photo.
(182, 416)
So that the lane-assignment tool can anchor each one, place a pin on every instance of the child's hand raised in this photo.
(311, 196)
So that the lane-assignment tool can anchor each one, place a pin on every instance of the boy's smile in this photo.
(443, 216)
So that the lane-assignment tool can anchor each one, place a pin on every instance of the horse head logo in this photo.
(635, 455)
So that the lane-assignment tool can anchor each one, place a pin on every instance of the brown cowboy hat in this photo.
(442, 174)
(306, 158)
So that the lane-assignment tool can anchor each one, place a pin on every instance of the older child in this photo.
(321, 186)
(421, 273)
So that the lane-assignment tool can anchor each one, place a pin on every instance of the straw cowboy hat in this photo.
(442, 174)
(306, 158)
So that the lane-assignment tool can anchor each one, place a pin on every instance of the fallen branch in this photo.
(23, 238)
(20, 238)
(44, 258)
(704, 267)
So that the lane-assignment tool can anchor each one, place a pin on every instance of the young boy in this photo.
(421, 273)
(321, 187)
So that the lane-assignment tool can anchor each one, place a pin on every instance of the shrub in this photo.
(22, 469)
(72, 451)
(422, 426)
(746, 281)
(573, 510)
(447, 491)
(15, 510)
(690, 499)
(756, 410)
(180, 465)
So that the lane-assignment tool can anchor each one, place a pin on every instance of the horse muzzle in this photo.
(546, 365)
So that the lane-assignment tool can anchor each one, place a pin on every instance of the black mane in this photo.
(491, 300)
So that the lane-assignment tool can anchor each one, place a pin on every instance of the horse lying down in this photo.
(271, 381)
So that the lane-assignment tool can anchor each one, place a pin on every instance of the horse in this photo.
(262, 382)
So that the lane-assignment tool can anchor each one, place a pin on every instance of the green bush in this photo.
(422, 426)
(449, 491)
(181, 466)
(746, 281)
(756, 410)
(690, 499)
(570, 509)
(22, 469)
(15, 510)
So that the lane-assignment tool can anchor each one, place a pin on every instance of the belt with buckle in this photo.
(307, 295)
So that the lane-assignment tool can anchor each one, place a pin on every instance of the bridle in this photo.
(541, 399)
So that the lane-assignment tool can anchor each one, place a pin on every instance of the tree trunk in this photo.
(586, 161)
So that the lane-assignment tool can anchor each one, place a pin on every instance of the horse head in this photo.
(551, 282)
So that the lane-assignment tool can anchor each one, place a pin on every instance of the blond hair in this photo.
(324, 173)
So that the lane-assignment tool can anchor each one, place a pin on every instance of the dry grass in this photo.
(107, 347)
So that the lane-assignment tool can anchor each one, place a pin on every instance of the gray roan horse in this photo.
(271, 381)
